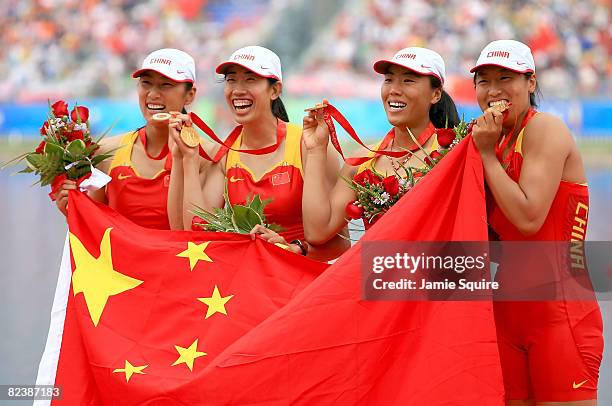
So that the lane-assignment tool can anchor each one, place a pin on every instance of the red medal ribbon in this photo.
(500, 148)
(330, 113)
(281, 131)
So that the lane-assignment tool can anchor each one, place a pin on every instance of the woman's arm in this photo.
(325, 194)
(546, 146)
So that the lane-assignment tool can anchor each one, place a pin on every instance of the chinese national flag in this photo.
(164, 336)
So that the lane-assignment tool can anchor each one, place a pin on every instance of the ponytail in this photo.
(443, 114)
(278, 108)
(188, 87)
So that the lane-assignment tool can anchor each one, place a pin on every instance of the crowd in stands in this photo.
(77, 48)
(571, 41)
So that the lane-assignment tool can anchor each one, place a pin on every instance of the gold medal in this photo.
(317, 106)
(500, 106)
(189, 136)
(161, 116)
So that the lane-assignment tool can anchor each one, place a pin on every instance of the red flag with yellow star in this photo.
(162, 317)
(149, 309)
(329, 346)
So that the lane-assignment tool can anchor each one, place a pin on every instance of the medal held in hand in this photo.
(190, 136)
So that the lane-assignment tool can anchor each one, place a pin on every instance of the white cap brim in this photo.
(221, 69)
(139, 73)
(475, 68)
(382, 66)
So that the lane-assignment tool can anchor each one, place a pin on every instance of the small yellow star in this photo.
(130, 369)
(188, 355)
(195, 253)
(95, 278)
(216, 303)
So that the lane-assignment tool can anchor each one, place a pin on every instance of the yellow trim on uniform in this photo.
(370, 164)
(519, 142)
(123, 154)
(291, 156)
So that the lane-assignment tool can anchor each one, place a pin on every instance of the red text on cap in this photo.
(406, 56)
(499, 54)
(244, 56)
(161, 60)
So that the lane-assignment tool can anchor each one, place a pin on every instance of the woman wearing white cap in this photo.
(550, 350)
(266, 156)
(413, 98)
(140, 167)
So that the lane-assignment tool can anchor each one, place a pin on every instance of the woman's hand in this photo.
(274, 238)
(314, 131)
(61, 197)
(178, 148)
(487, 130)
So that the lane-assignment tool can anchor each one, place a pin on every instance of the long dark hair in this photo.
(536, 95)
(188, 87)
(278, 108)
(443, 113)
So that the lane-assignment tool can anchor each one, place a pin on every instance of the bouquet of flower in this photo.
(377, 193)
(66, 150)
(236, 218)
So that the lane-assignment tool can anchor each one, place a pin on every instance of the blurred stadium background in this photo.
(85, 50)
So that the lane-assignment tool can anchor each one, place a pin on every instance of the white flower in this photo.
(403, 182)
(82, 126)
(385, 197)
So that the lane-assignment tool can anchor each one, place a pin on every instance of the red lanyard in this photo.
(500, 148)
(330, 113)
(281, 132)
(164, 153)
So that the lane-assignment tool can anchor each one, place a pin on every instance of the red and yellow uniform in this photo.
(283, 182)
(143, 201)
(549, 350)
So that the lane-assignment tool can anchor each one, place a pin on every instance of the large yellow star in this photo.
(130, 370)
(95, 277)
(216, 303)
(195, 252)
(188, 355)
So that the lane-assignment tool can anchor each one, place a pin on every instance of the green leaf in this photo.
(245, 218)
(36, 161)
(27, 169)
(76, 148)
(99, 158)
(53, 148)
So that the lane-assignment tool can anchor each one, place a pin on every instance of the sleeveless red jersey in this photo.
(143, 201)
(558, 343)
(283, 183)
(566, 219)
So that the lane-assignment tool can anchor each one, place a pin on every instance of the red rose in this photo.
(74, 135)
(434, 156)
(446, 136)
(40, 148)
(417, 175)
(367, 176)
(391, 185)
(43, 129)
(60, 108)
(353, 211)
(83, 114)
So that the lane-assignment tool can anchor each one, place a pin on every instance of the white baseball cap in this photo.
(259, 60)
(507, 53)
(172, 63)
(420, 60)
